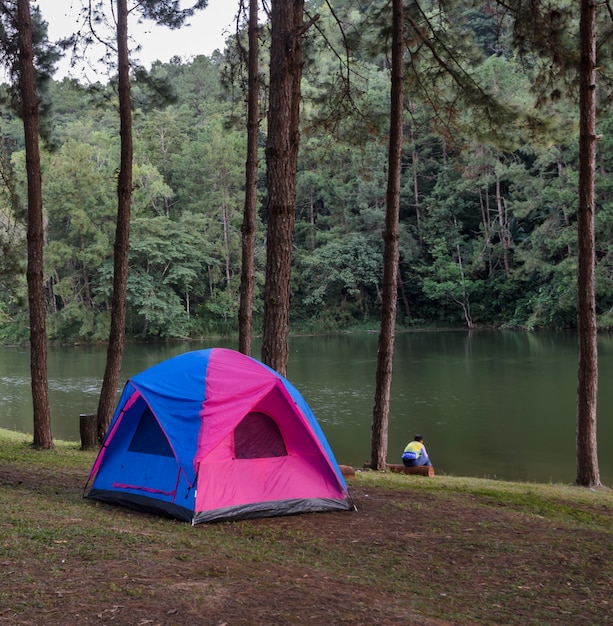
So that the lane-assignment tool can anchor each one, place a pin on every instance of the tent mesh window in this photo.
(258, 436)
(149, 437)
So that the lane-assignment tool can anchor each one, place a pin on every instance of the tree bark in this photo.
(281, 158)
(35, 235)
(588, 474)
(504, 231)
(245, 309)
(385, 354)
(108, 394)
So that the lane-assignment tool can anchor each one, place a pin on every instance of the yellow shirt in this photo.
(415, 446)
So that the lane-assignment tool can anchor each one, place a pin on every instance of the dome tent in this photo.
(214, 435)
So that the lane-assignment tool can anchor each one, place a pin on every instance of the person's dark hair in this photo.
(419, 437)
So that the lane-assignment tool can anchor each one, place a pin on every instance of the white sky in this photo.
(207, 31)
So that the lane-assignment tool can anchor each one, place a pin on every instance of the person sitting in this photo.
(415, 453)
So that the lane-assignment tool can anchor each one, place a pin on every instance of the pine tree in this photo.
(385, 353)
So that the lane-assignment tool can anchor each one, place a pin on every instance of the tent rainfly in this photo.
(215, 435)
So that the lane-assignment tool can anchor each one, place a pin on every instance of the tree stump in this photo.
(88, 429)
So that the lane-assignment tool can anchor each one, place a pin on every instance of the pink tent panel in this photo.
(238, 482)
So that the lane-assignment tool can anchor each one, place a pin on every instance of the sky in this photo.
(207, 32)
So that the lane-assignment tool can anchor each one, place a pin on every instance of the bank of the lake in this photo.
(495, 404)
(489, 552)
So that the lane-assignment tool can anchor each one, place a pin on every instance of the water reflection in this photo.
(497, 404)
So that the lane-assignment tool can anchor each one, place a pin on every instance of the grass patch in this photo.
(418, 550)
(587, 508)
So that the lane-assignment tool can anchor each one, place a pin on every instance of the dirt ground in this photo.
(402, 558)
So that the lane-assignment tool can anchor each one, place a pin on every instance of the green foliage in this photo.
(346, 271)
(488, 204)
(45, 57)
(166, 258)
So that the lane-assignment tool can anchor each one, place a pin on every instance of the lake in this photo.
(489, 403)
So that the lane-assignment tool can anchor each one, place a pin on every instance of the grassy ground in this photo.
(428, 551)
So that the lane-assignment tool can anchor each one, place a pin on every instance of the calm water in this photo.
(494, 404)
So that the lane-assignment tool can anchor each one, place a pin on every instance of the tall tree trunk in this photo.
(563, 207)
(504, 231)
(108, 394)
(487, 229)
(385, 354)
(403, 294)
(35, 236)
(225, 218)
(588, 474)
(245, 309)
(281, 159)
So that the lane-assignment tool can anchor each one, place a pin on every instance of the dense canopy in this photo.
(488, 201)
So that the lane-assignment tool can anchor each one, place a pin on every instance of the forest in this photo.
(488, 228)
